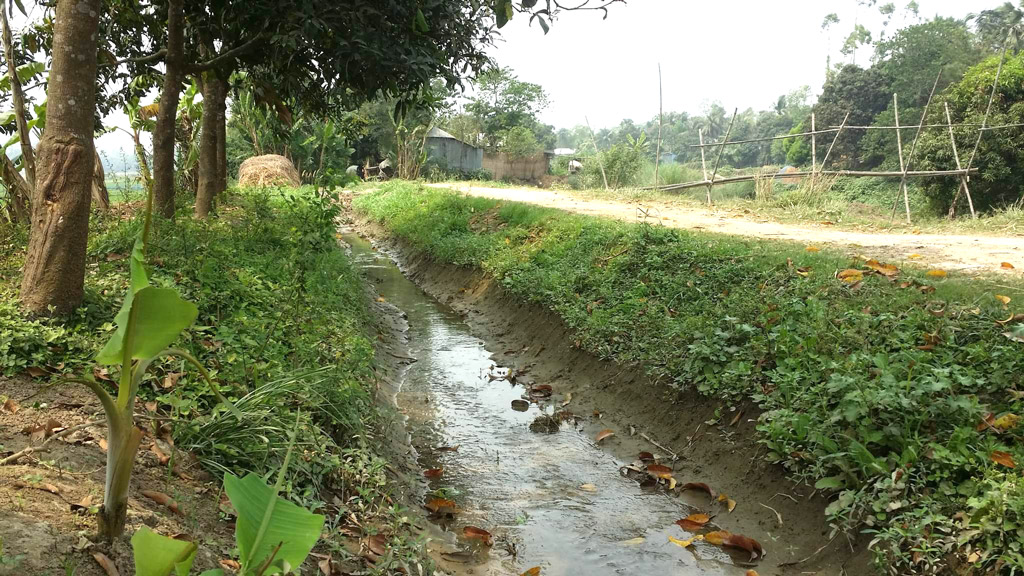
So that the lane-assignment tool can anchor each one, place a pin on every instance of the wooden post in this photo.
(657, 154)
(913, 148)
(963, 177)
(988, 109)
(899, 147)
(703, 167)
(597, 153)
(814, 152)
(718, 160)
(834, 138)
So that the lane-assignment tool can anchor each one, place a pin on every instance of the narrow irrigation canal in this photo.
(549, 495)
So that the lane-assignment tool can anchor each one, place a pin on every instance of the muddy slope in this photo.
(714, 442)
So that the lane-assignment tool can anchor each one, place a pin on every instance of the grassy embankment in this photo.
(898, 396)
(283, 324)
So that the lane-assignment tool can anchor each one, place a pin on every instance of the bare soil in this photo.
(714, 442)
(979, 254)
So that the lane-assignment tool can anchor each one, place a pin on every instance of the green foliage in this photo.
(848, 387)
(862, 93)
(1000, 155)
(157, 555)
(622, 162)
(519, 142)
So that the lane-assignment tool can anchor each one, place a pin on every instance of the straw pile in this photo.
(268, 170)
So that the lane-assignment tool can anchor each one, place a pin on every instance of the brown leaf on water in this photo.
(535, 571)
(541, 390)
(448, 448)
(1006, 266)
(751, 573)
(730, 504)
(646, 457)
(693, 522)
(474, 533)
(937, 273)
(163, 500)
(659, 471)
(883, 269)
(606, 433)
(850, 276)
(744, 543)
(717, 538)
(1003, 459)
(588, 488)
(434, 472)
(106, 563)
(436, 505)
(699, 486)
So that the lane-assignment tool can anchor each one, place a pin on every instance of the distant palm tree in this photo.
(1002, 24)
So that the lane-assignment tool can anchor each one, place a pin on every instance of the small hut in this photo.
(450, 153)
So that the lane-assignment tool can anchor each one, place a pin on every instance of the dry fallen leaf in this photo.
(751, 573)
(1006, 266)
(474, 533)
(36, 371)
(717, 538)
(699, 486)
(1003, 458)
(646, 457)
(11, 405)
(659, 471)
(604, 434)
(588, 488)
(378, 544)
(1006, 422)
(568, 398)
(749, 544)
(685, 543)
(914, 256)
(170, 380)
(162, 499)
(693, 522)
(436, 505)
(1004, 299)
(812, 249)
(633, 541)
(736, 418)
(45, 487)
(535, 571)
(937, 273)
(883, 269)
(730, 504)
(850, 276)
(106, 563)
(433, 472)
(229, 564)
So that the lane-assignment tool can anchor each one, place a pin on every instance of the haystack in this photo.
(268, 170)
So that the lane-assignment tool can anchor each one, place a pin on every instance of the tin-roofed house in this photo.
(448, 153)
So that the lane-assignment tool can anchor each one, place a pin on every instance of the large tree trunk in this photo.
(163, 133)
(100, 195)
(55, 264)
(210, 144)
(18, 99)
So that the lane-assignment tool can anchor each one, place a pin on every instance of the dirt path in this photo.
(968, 253)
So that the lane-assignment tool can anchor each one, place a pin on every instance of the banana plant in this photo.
(150, 319)
(273, 535)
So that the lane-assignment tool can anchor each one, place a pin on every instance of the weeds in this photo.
(875, 392)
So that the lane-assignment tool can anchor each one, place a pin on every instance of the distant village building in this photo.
(450, 153)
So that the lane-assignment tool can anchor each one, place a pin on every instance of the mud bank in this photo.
(703, 440)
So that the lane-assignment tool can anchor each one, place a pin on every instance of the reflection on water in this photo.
(524, 487)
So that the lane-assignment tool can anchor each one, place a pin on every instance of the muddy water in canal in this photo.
(552, 499)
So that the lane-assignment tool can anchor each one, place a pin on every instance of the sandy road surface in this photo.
(967, 253)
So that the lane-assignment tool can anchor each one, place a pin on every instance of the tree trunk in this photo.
(55, 264)
(163, 133)
(208, 162)
(100, 196)
(18, 98)
(222, 136)
(18, 191)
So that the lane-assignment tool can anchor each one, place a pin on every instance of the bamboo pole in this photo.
(718, 160)
(833, 129)
(829, 152)
(847, 173)
(814, 153)
(963, 179)
(991, 98)
(597, 153)
(703, 166)
(657, 156)
(913, 147)
(899, 146)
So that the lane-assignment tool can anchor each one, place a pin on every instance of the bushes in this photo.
(874, 392)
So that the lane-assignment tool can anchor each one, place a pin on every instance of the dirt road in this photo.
(971, 254)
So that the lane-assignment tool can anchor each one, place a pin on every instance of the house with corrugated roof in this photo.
(449, 153)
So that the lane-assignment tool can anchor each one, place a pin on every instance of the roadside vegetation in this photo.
(896, 392)
(283, 328)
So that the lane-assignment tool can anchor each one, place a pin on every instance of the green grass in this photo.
(872, 392)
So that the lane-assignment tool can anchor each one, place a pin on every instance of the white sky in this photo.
(743, 53)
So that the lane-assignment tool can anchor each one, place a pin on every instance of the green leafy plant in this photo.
(150, 319)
